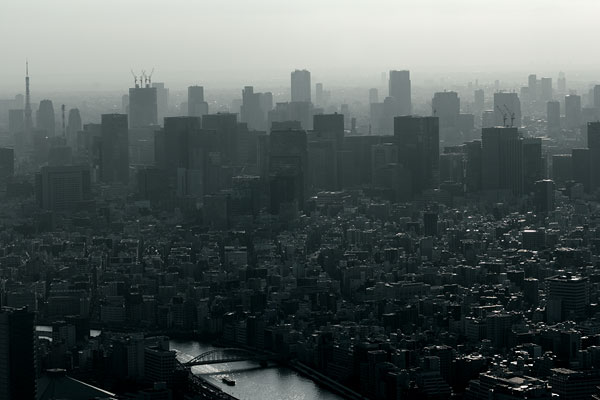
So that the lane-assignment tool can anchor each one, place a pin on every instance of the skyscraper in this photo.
(553, 116)
(319, 94)
(251, 111)
(17, 354)
(288, 169)
(162, 100)
(546, 89)
(301, 86)
(63, 188)
(45, 119)
(143, 106)
(114, 165)
(373, 96)
(197, 107)
(400, 90)
(418, 144)
(501, 167)
(572, 111)
(532, 84)
(74, 126)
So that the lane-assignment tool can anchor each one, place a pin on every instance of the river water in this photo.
(251, 381)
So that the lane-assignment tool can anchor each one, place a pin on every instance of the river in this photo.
(252, 381)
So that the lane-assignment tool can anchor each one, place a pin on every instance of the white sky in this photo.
(84, 44)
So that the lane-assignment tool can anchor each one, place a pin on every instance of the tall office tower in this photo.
(572, 111)
(581, 164)
(446, 106)
(532, 163)
(288, 170)
(596, 92)
(544, 196)
(532, 86)
(478, 101)
(28, 132)
(501, 167)
(197, 107)
(399, 89)
(114, 163)
(301, 86)
(418, 144)
(507, 109)
(17, 354)
(143, 106)
(63, 188)
(562, 169)
(16, 121)
(7, 163)
(226, 127)
(266, 102)
(251, 111)
(473, 167)
(324, 143)
(373, 96)
(553, 116)
(319, 100)
(330, 127)
(562, 83)
(546, 89)
(74, 126)
(125, 104)
(45, 119)
(568, 297)
(162, 100)
(593, 139)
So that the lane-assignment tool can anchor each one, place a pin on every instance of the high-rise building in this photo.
(7, 163)
(28, 122)
(251, 111)
(143, 106)
(373, 96)
(532, 162)
(73, 127)
(572, 111)
(507, 109)
(418, 144)
(17, 354)
(114, 164)
(562, 83)
(446, 106)
(478, 101)
(532, 84)
(593, 139)
(553, 116)
(319, 99)
(301, 86)
(197, 107)
(568, 296)
(546, 89)
(45, 119)
(226, 127)
(162, 101)
(596, 99)
(288, 169)
(581, 164)
(502, 167)
(63, 188)
(544, 196)
(400, 90)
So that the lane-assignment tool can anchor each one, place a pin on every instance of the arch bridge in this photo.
(225, 355)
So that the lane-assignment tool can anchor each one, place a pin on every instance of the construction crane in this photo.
(512, 115)
(504, 117)
(149, 78)
(135, 79)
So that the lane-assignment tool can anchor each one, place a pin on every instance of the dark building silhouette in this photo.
(63, 188)
(301, 86)
(45, 119)
(288, 169)
(572, 111)
(593, 139)
(162, 100)
(17, 354)
(544, 196)
(418, 144)
(143, 106)
(502, 155)
(532, 163)
(581, 164)
(114, 164)
(226, 127)
(252, 111)
(400, 91)
(7, 162)
(197, 107)
(553, 116)
(74, 125)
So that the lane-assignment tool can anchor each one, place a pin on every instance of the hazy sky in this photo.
(83, 44)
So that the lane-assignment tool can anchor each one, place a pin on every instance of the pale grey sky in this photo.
(81, 44)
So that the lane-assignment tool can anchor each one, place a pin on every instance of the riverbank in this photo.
(324, 380)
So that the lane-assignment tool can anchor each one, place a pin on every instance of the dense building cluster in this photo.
(451, 255)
